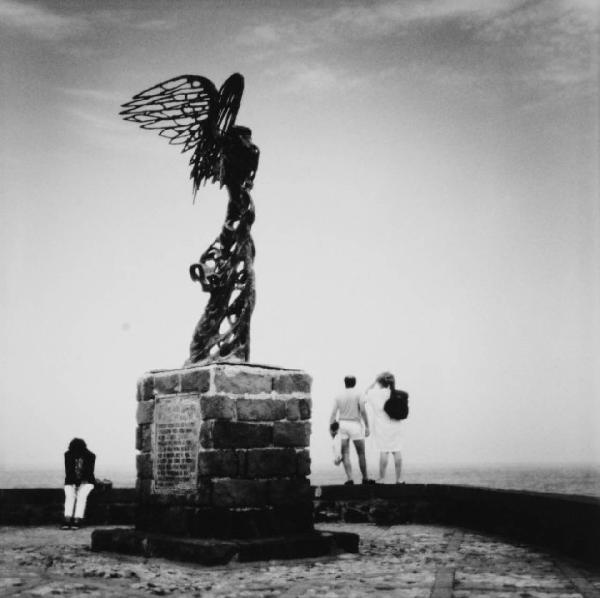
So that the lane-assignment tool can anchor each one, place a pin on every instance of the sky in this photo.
(426, 201)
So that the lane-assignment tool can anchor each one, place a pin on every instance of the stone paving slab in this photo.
(405, 561)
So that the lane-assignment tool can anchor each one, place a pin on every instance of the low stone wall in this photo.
(567, 524)
(43, 506)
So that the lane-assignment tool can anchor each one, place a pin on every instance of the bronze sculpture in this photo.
(189, 111)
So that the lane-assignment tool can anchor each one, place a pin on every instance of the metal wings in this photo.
(189, 111)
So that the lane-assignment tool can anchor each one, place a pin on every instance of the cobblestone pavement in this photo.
(405, 561)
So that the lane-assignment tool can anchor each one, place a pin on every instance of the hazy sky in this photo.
(427, 203)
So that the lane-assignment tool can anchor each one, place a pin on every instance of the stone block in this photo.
(145, 412)
(145, 388)
(260, 409)
(220, 463)
(203, 494)
(144, 488)
(211, 522)
(200, 495)
(120, 514)
(144, 466)
(217, 407)
(148, 544)
(147, 517)
(270, 462)
(298, 409)
(289, 519)
(231, 434)
(180, 408)
(235, 522)
(167, 519)
(195, 380)
(289, 491)
(213, 551)
(289, 383)
(303, 463)
(239, 493)
(166, 383)
(205, 551)
(251, 523)
(291, 434)
(237, 381)
(241, 461)
(206, 434)
(143, 438)
(124, 541)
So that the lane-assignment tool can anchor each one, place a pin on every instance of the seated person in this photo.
(79, 482)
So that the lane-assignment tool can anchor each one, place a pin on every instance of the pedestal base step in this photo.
(211, 551)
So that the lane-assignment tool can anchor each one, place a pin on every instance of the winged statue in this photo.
(190, 112)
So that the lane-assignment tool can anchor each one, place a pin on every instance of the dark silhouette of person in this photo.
(79, 482)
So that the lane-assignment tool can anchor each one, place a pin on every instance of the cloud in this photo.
(102, 122)
(39, 22)
(317, 77)
(264, 33)
(96, 95)
(104, 129)
(557, 42)
(94, 115)
(371, 20)
(156, 24)
(313, 78)
(50, 25)
(130, 19)
(387, 17)
(533, 46)
(94, 110)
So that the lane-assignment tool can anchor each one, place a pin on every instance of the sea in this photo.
(583, 480)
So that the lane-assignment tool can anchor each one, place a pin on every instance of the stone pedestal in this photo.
(223, 456)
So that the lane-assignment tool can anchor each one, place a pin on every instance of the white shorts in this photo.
(351, 429)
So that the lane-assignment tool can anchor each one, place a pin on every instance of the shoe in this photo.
(76, 523)
(367, 481)
(66, 524)
(349, 483)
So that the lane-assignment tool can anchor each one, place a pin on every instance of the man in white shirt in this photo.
(349, 411)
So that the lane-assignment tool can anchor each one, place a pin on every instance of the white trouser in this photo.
(75, 499)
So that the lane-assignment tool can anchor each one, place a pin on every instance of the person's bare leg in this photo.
(359, 445)
(398, 465)
(383, 459)
(346, 457)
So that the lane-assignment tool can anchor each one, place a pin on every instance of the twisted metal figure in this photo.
(189, 111)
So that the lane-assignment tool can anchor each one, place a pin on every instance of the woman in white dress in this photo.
(386, 431)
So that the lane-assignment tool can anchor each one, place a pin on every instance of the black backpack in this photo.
(396, 406)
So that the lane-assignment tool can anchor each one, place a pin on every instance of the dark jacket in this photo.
(79, 468)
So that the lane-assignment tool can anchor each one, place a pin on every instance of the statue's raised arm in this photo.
(190, 112)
